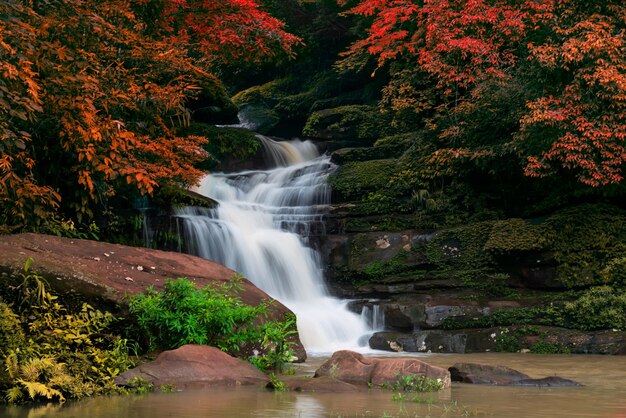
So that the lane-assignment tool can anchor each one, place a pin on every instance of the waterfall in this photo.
(260, 229)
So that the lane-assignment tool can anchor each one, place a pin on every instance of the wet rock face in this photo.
(195, 366)
(503, 376)
(491, 339)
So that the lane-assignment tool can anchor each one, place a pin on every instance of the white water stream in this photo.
(260, 229)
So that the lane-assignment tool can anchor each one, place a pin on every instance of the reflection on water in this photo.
(604, 395)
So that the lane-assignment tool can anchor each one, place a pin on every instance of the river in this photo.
(603, 395)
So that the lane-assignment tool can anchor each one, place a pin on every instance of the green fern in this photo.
(37, 389)
(14, 395)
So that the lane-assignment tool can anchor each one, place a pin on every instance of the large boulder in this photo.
(104, 274)
(354, 368)
(502, 376)
(194, 366)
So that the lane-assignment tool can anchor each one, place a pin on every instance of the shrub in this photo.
(601, 307)
(54, 353)
(213, 315)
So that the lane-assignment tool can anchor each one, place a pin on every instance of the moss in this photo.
(171, 196)
(212, 103)
(267, 94)
(381, 269)
(224, 143)
(355, 180)
(461, 247)
(354, 122)
(514, 235)
(588, 238)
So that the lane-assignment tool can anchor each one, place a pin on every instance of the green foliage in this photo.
(224, 143)
(62, 353)
(354, 180)
(183, 314)
(381, 269)
(413, 383)
(601, 307)
(588, 238)
(276, 347)
(354, 122)
(277, 384)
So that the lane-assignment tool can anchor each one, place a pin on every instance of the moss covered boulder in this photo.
(358, 125)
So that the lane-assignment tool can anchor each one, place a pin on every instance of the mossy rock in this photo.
(267, 94)
(354, 180)
(346, 155)
(212, 104)
(259, 118)
(518, 235)
(358, 123)
(225, 143)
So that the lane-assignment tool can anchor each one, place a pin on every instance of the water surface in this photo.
(604, 395)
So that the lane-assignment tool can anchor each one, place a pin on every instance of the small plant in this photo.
(414, 383)
(276, 346)
(276, 384)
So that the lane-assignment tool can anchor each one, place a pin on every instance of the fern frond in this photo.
(12, 365)
(35, 389)
(14, 394)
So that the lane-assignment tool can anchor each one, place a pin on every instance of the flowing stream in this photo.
(261, 228)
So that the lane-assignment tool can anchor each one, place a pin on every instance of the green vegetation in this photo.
(355, 122)
(52, 352)
(214, 315)
(413, 383)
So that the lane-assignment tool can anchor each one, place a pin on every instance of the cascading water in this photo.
(260, 228)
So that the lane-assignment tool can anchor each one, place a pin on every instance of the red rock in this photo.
(195, 366)
(102, 274)
(357, 369)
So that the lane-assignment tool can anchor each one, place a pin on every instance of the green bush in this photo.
(183, 314)
(56, 353)
(214, 315)
(601, 307)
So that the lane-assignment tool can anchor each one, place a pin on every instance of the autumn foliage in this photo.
(570, 57)
(93, 96)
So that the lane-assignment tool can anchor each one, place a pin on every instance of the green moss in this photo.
(354, 180)
(515, 235)
(461, 247)
(213, 96)
(267, 94)
(354, 122)
(588, 239)
(381, 269)
(224, 143)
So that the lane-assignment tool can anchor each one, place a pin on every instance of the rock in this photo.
(195, 366)
(79, 271)
(485, 339)
(420, 341)
(503, 376)
(322, 384)
(484, 374)
(354, 368)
